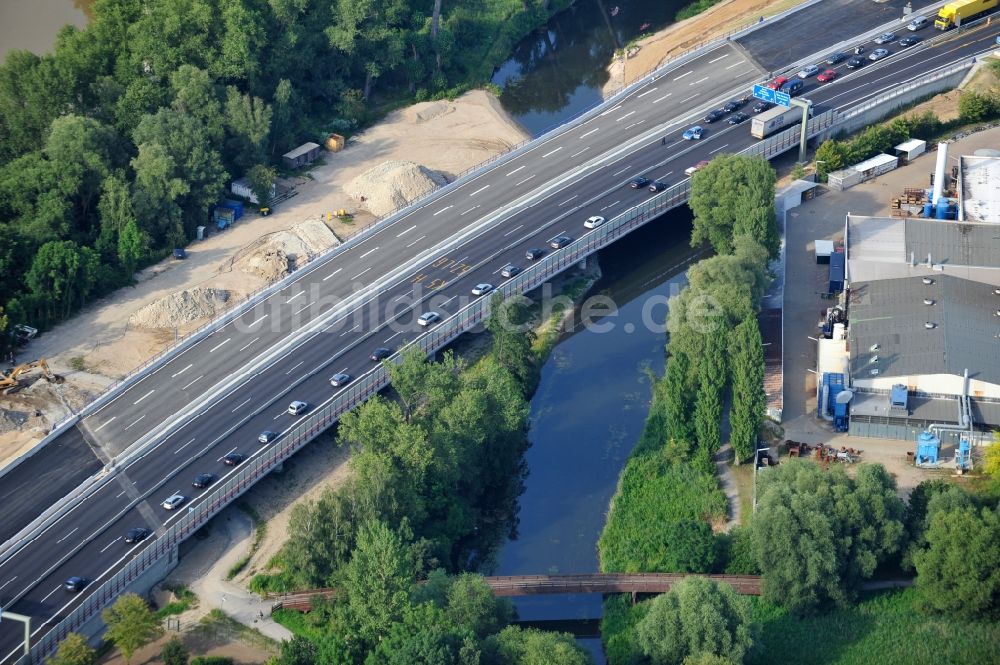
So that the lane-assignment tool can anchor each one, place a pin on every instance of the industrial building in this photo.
(979, 188)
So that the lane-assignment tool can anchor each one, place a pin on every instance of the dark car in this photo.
(639, 183)
(267, 436)
(232, 459)
(75, 584)
(203, 480)
(534, 253)
(137, 535)
(714, 115)
(180, 254)
(657, 186)
(907, 42)
(732, 106)
(855, 63)
(559, 242)
(836, 58)
(509, 270)
(737, 118)
(379, 354)
(761, 106)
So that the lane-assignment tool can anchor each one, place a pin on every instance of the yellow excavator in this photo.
(13, 381)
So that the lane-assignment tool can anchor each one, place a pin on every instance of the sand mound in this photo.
(429, 111)
(275, 255)
(180, 308)
(392, 185)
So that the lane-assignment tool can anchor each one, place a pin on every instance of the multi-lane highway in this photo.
(331, 319)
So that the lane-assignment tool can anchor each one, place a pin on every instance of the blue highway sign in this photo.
(772, 96)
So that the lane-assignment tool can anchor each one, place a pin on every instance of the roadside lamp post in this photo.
(27, 627)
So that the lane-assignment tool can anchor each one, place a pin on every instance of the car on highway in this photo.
(559, 242)
(694, 133)
(885, 38)
(918, 23)
(836, 58)
(697, 167)
(534, 253)
(75, 584)
(232, 459)
(482, 289)
(267, 436)
(717, 114)
(732, 106)
(593, 222)
(203, 480)
(427, 318)
(777, 83)
(761, 106)
(855, 63)
(137, 535)
(173, 501)
(907, 42)
(657, 186)
(738, 117)
(340, 379)
(297, 408)
(639, 182)
(878, 54)
(807, 71)
(509, 270)
(380, 354)
(827, 76)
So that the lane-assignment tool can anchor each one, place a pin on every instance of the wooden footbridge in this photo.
(531, 585)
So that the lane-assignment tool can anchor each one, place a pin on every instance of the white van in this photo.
(918, 23)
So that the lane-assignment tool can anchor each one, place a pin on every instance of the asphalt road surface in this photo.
(537, 196)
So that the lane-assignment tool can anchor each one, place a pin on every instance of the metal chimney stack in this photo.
(942, 163)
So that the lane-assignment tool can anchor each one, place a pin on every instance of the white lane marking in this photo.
(662, 98)
(524, 181)
(135, 422)
(46, 598)
(219, 345)
(689, 98)
(567, 200)
(701, 80)
(743, 73)
(332, 274)
(120, 494)
(512, 231)
(576, 154)
(176, 374)
(625, 116)
(75, 529)
(438, 213)
(300, 293)
(393, 337)
(108, 546)
(551, 152)
(684, 74)
(596, 129)
(105, 424)
(612, 110)
(514, 171)
(294, 368)
(354, 329)
(249, 343)
(718, 149)
(258, 321)
(736, 64)
(468, 211)
(416, 241)
(240, 406)
(8, 582)
(302, 309)
(398, 298)
(229, 453)
(375, 249)
(144, 396)
(447, 301)
(610, 205)
(362, 272)
(479, 190)
(664, 175)
(400, 235)
(645, 93)
(719, 58)
(193, 382)
(620, 172)
(184, 446)
(635, 123)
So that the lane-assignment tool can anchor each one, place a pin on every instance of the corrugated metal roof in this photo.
(954, 243)
(874, 162)
(301, 150)
(907, 146)
(980, 193)
(892, 314)
(930, 409)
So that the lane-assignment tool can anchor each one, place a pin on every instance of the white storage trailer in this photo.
(777, 118)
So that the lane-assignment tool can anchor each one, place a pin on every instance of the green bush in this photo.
(695, 8)
(211, 660)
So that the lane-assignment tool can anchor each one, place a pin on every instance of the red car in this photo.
(777, 83)
(827, 76)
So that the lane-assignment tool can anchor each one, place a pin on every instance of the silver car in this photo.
(878, 54)
(593, 222)
(807, 71)
(173, 501)
(482, 289)
(297, 407)
(427, 318)
(885, 38)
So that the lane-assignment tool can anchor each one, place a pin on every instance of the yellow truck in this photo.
(962, 11)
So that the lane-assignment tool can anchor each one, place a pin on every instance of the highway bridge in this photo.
(218, 393)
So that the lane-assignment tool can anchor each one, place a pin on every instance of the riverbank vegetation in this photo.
(119, 142)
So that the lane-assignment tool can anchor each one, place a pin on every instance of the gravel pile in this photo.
(180, 308)
(392, 185)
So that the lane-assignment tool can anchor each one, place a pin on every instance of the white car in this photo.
(482, 289)
(885, 38)
(918, 24)
(878, 54)
(297, 407)
(807, 71)
(173, 501)
(593, 222)
(427, 318)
